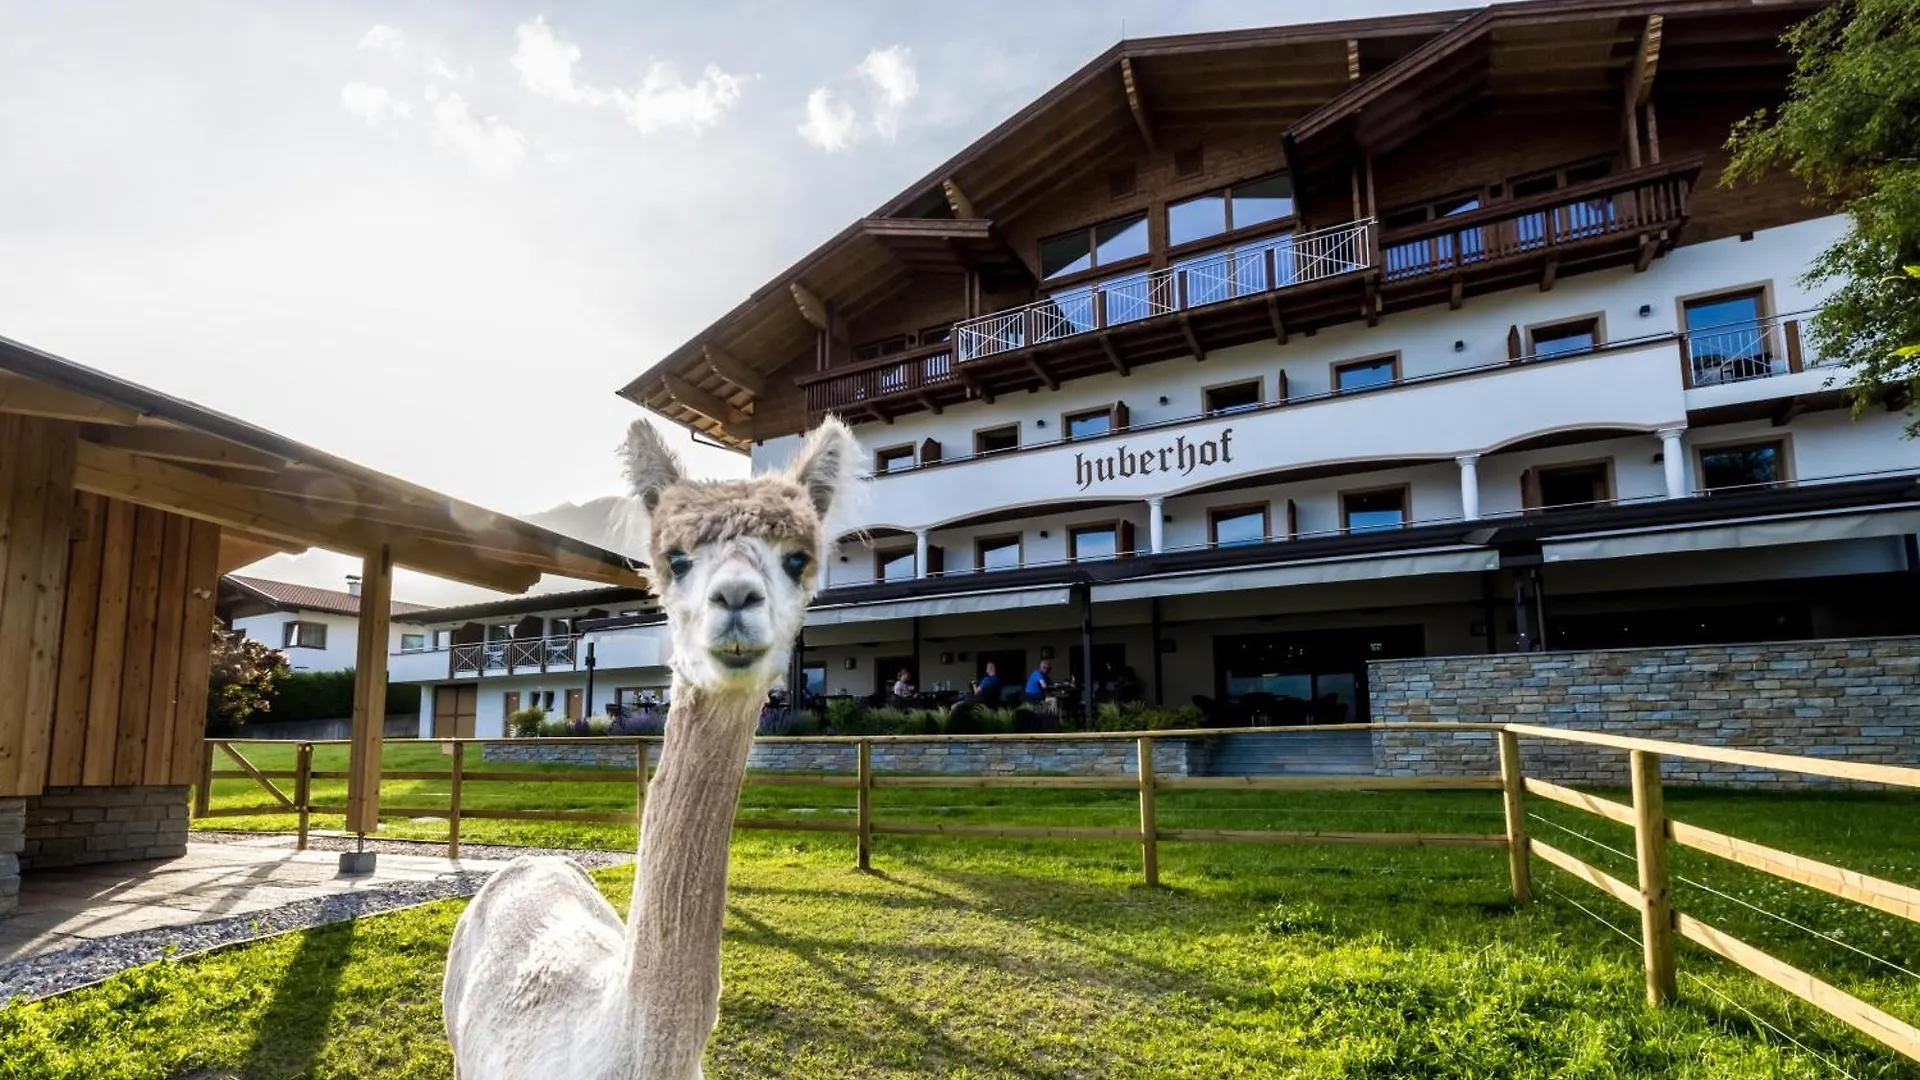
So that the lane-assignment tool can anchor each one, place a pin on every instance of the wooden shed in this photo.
(120, 507)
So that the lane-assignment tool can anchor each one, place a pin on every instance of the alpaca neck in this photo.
(680, 880)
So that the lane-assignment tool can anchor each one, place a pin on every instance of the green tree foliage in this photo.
(242, 681)
(1850, 129)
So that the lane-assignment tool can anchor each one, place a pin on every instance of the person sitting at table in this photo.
(903, 689)
(1040, 683)
(988, 688)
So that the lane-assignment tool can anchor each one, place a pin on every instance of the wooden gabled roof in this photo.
(1140, 88)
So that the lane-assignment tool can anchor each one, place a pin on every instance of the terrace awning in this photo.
(1803, 529)
(1315, 572)
(952, 604)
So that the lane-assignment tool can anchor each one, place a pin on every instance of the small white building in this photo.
(317, 629)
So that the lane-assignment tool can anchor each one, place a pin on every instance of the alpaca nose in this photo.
(736, 595)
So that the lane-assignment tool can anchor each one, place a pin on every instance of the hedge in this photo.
(328, 695)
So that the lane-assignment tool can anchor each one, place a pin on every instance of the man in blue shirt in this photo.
(1040, 681)
(988, 688)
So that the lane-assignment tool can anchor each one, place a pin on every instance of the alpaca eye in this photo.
(678, 563)
(795, 564)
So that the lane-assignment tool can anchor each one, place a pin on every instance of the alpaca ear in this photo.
(651, 467)
(826, 463)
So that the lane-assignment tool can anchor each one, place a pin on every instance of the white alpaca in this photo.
(543, 981)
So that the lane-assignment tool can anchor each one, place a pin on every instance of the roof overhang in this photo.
(270, 494)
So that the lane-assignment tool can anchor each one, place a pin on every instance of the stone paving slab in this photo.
(69, 906)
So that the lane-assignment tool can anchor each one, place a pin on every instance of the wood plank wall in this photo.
(106, 612)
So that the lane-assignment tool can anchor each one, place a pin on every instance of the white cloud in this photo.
(891, 72)
(830, 123)
(372, 104)
(438, 68)
(494, 147)
(383, 37)
(662, 100)
(545, 64)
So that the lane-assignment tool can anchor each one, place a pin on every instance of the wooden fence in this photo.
(1653, 830)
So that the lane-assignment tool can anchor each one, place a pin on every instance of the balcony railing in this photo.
(872, 379)
(513, 655)
(1739, 352)
(1265, 266)
(1632, 202)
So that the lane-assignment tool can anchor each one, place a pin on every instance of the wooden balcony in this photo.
(1271, 289)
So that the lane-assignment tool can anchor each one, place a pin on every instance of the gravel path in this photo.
(84, 964)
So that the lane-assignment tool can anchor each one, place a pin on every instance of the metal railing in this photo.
(513, 655)
(1739, 352)
(1263, 266)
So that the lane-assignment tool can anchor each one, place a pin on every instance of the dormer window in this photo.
(1242, 206)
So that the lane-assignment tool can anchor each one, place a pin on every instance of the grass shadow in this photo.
(293, 1029)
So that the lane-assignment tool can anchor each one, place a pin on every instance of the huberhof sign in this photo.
(1177, 458)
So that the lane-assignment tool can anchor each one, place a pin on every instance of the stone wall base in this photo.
(71, 826)
(13, 837)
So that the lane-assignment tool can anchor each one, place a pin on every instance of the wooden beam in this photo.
(811, 307)
(369, 692)
(186, 446)
(1034, 364)
(1273, 317)
(729, 367)
(238, 549)
(704, 403)
(1547, 275)
(1646, 61)
(1193, 340)
(957, 200)
(1114, 358)
(27, 397)
(1136, 103)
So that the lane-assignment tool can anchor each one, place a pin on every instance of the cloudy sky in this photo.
(436, 237)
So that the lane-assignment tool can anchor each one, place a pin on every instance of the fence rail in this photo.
(1654, 832)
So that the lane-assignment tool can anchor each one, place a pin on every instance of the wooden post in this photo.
(1519, 870)
(639, 781)
(453, 810)
(1650, 844)
(864, 804)
(370, 692)
(303, 788)
(1149, 826)
(203, 792)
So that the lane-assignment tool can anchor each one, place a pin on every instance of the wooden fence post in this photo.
(303, 789)
(639, 782)
(1149, 825)
(1650, 845)
(453, 800)
(864, 804)
(203, 795)
(1513, 783)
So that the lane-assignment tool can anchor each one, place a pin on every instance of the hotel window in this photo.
(1567, 486)
(1101, 245)
(994, 440)
(1439, 208)
(874, 350)
(1372, 511)
(936, 335)
(1564, 338)
(1745, 465)
(997, 553)
(1090, 542)
(1236, 525)
(1727, 336)
(305, 635)
(1084, 425)
(413, 642)
(1242, 206)
(1366, 374)
(1235, 397)
(893, 565)
(893, 458)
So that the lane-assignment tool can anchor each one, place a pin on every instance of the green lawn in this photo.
(973, 958)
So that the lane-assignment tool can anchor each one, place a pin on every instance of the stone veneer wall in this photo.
(13, 837)
(1857, 698)
(959, 755)
(68, 826)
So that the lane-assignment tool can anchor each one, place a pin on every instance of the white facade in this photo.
(342, 637)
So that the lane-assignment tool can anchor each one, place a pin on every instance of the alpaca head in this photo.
(736, 562)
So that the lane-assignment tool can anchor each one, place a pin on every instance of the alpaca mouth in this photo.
(737, 654)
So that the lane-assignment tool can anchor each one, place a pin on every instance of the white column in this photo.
(1156, 525)
(1673, 460)
(1469, 486)
(919, 553)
